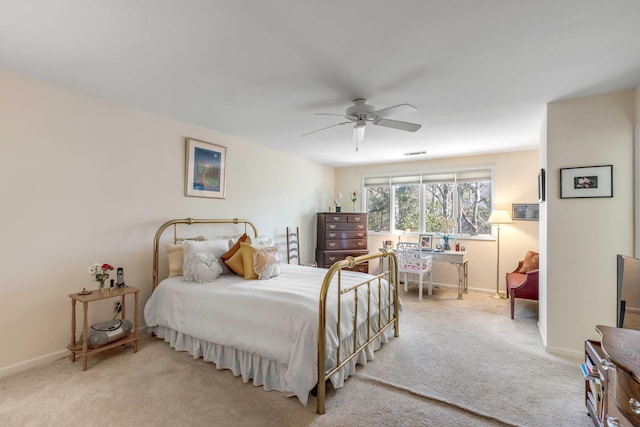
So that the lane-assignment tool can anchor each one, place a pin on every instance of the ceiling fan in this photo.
(360, 113)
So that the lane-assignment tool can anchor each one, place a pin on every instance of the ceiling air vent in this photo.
(415, 153)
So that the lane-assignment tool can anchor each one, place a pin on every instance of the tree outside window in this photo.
(454, 202)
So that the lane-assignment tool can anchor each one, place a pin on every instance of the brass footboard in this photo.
(391, 275)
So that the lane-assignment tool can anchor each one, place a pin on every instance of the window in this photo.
(453, 202)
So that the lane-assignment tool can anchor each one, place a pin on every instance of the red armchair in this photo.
(523, 281)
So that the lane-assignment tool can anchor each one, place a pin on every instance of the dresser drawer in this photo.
(335, 218)
(340, 234)
(346, 226)
(328, 258)
(627, 394)
(346, 244)
(359, 218)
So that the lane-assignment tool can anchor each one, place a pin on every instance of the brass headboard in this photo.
(190, 221)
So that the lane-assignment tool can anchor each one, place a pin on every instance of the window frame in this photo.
(392, 180)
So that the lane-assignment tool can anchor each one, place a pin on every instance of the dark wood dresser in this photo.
(341, 234)
(612, 382)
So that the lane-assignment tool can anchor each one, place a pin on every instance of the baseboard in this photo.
(32, 363)
(47, 358)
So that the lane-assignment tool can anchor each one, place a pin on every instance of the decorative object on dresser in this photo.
(341, 235)
(611, 370)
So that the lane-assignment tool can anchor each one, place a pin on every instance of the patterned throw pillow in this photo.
(260, 261)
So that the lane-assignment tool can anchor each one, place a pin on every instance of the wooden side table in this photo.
(82, 349)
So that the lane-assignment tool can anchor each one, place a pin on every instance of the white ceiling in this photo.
(479, 72)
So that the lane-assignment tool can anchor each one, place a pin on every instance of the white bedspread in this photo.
(275, 320)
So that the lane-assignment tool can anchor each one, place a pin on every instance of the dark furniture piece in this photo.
(522, 285)
(341, 234)
(611, 369)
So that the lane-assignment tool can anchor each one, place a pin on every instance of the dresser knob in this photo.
(635, 405)
(360, 244)
(336, 218)
(358, 218)
(612, 421)
(332, 234)
(606, 365)
(360, 234)
(331, 226)
(360, 227)
(331, 244)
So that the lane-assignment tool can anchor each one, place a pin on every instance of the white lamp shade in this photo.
(500, 216)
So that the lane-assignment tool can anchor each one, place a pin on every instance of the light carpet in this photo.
(456, 363)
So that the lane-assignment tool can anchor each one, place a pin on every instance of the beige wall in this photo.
(584, 235)
(84, 181)
(516, 182)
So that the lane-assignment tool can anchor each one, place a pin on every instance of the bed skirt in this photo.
(263, 371)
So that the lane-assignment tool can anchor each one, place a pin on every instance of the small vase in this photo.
(447, 246)
(101, 286)
(354, 205)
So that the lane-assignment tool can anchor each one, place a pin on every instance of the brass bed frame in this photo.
(383, 322)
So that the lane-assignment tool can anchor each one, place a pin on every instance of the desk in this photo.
(460, 260)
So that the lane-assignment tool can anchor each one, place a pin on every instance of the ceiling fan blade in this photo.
(396, 124)
(328, 127)
(396, 109)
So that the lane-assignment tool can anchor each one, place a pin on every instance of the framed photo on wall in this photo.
(541, 186)
(426, 240)
(586, 181)
(525, 211)
(205, 169)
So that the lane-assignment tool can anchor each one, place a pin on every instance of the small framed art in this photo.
(426, 240)
(586, 181)
(205, 169)
(525, 211)
(541, 186)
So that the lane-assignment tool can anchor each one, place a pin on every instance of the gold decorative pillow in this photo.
(227, 256)
(235, 263)
(530, 262)
(175, 256)
(260, 261)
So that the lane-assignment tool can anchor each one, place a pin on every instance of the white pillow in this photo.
(202, 260)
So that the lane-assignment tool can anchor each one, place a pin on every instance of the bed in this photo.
(293, 332)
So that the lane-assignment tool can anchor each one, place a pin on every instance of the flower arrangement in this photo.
(447, 227)
(100, 272)
(354, 199)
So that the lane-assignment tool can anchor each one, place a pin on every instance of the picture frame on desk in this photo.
(426, 241)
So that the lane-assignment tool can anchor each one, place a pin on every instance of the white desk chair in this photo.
(411, 260)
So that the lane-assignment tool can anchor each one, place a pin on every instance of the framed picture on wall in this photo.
(205, 169)
(541, 186)
(525, 211)
(586, 181)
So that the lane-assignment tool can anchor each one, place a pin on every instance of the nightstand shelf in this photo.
(81, 349)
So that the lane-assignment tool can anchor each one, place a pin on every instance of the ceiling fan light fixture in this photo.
(360, 124)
